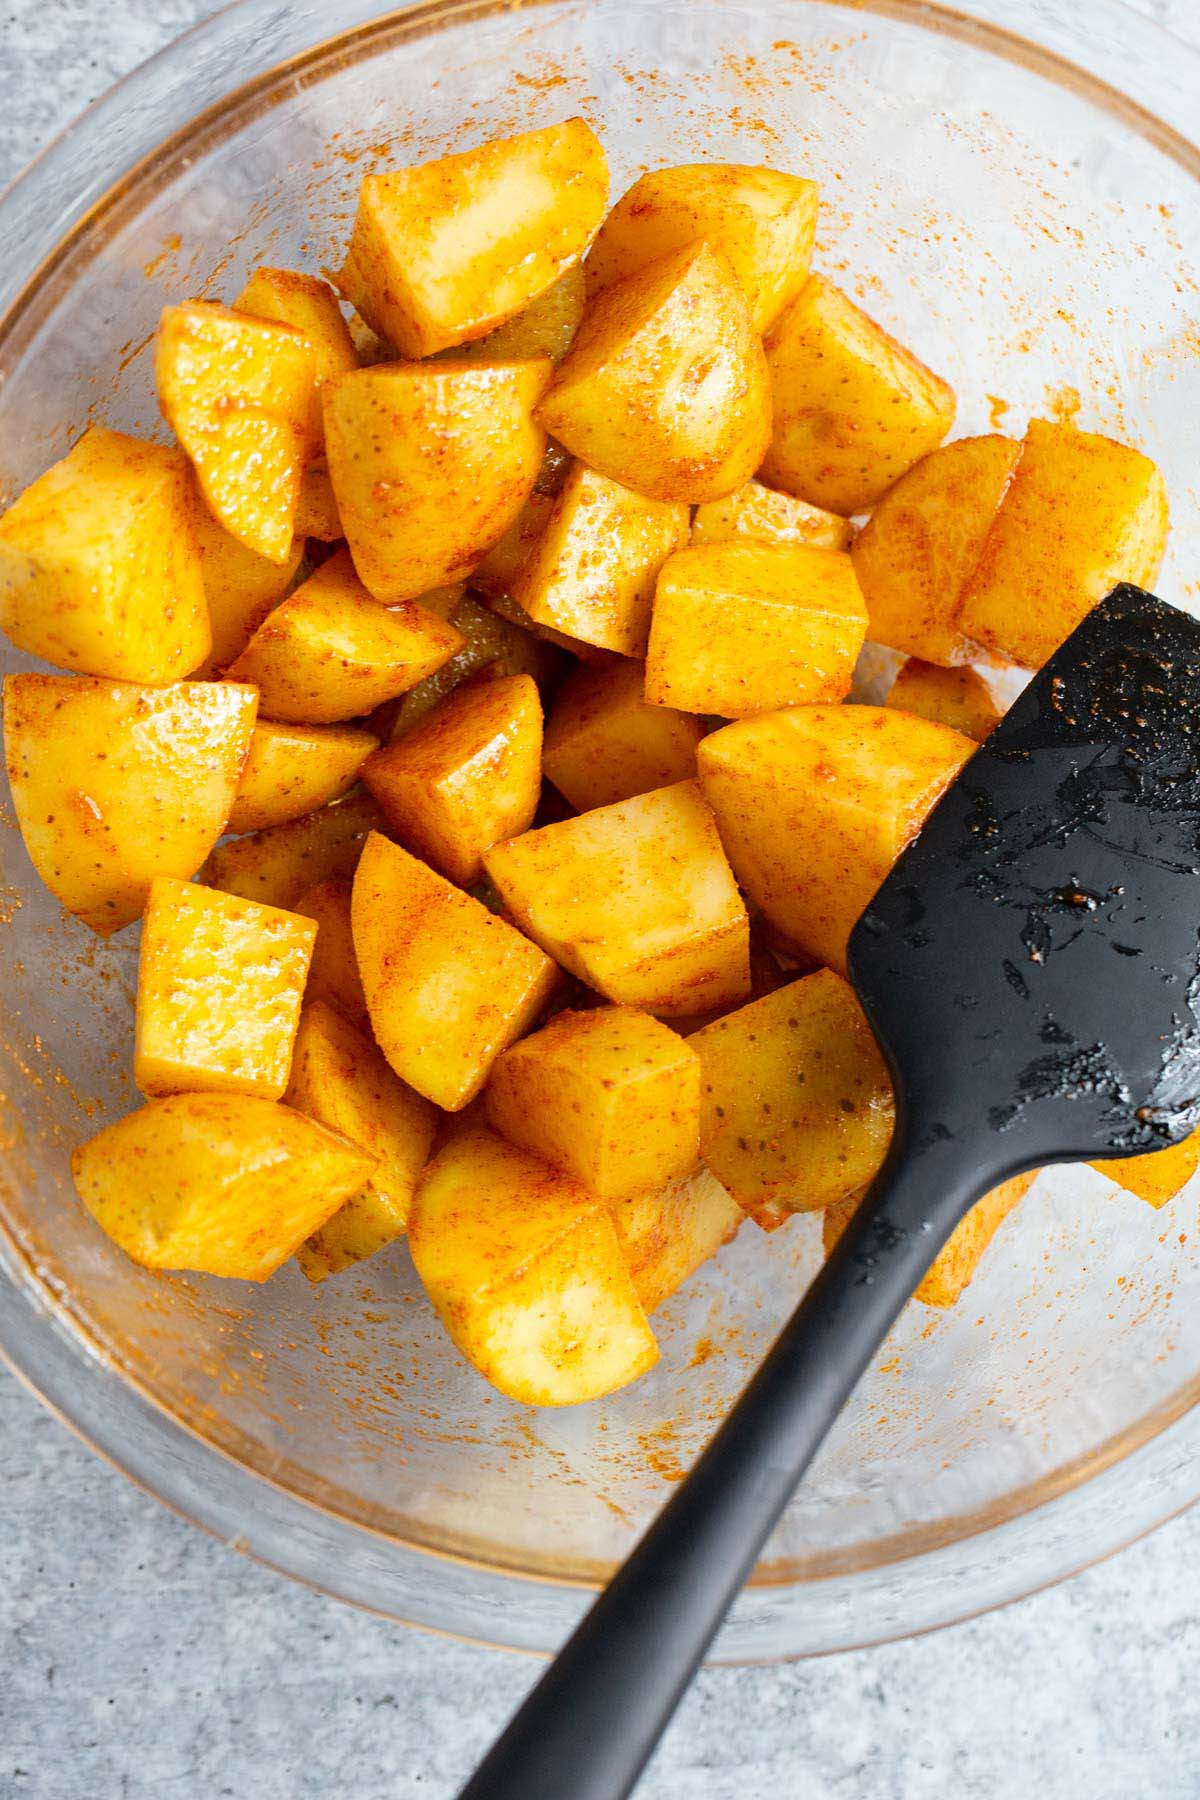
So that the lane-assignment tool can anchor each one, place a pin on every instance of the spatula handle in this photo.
(591, 1724)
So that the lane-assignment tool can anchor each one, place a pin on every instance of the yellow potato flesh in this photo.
(240, 587)
(317, 513)
(667, 1235)
(960, 698)
(278, 865)
(333, 976)
(308, 305)
(604, 742)
(292, 769)
(546, 327)
(755, 511)
(955, 1264)
(1157, 1177)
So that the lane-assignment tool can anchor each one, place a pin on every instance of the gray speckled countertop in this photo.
(144, 1661)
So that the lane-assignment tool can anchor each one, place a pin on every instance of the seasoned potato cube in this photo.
(796, 1105)
(490, 645)
(226, 1184)
(240, 588)
(330, 652)
(1083, 513)
(612, 1096)
(525, 1271)
(745, 627)
(340, 1079)
(920, 546)
(292, 769)
(219, 987)
(449, 250)
(604, 742)
(960, 698)
(761, 220)
(278, 865)
(317, 513)
(431, 463)
(240, 395)
(309, 305)
(448, 984)
(591, 572)
(956, 1262)
(466, 777)
(99, 566)
(114, 784)
(635, 899)
(1158, 1177)
(815, 804)
(333, 976)
(666, 1236)
(496, 575)
(546, 327)
(665, 388)
(853, 409)
(761, 512)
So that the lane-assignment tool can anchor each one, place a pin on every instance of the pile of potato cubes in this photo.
(485, 653)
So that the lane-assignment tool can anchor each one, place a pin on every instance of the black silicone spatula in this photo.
(1032, 969)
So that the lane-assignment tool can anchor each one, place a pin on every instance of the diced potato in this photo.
(219, 987)
(368, 344)
(853, 409)
(666, 1236)
(308, 304)
(636, 899)
(1157, 1177)
(329, 651)
(796, 1104)
(431, 463)
(745, 627)
(490, 644)
(340, 1079)
(612, 1096)
(526, 1273)
(99, 566)
(240, 587)
(466, 777)
(665, 388)
(604, 742)
(591, 572)
(761, 220)
(761, 512)
(226, 1184)
(333, 976)
(815, 804)
(960, 698)
(505, 607)
(1082, 513)
(954, 1265)
(496, 575)
(448, 984)
(278, 865)
(114, 784)
(445, 252)
(240, 395)
(292, 769)
(546, 327)
(317, 513)
(920, 546)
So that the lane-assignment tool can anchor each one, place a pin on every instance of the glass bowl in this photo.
(1012, 192)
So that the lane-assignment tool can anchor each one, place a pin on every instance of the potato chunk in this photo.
(636, 899)
(796, 1104)
(1083, 513)
(755, 511)
(240, 395)
(466, 777)
(1158, 1177)
(612, 1096)
(591, 572)
(114, 784)
(546, 327)
(665, 388)
(333, 976)
(960, 698)
(853, 409)
(920, 546)
(292, 769)
(955, 1264)
(448, 984)
(276, 866)
(431, 463)
(490, 644)
(219, 987)
(665, 1236)
(308, 305)
(449, 250)
(746, 627)
(226, 1184)
(99, 566)
(317, 514)
(525, 1271)
(605, 742)
(814, 805)
(240, 588)
(761, 220)
(330, 652)
(340, 1079)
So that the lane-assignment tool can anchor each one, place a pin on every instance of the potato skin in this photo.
(955, 1264)
(959, 698)
(604, 742)
(666, 1235)
(309, 305)
(546, 327)
(291, 770)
